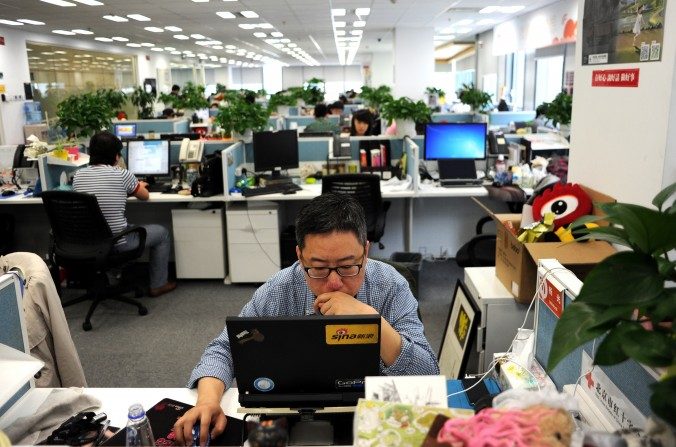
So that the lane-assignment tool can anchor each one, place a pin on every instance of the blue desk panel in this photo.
(504, 118)
(159, 126)
(452, 117)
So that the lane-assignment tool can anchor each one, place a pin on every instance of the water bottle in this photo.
(500, 165)
(139, 432)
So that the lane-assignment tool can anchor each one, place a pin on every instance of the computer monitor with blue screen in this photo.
(126, 130)
(148, 158)
(275, 151)
(455, 141)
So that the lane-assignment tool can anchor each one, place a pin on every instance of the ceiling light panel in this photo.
(30, 22)
(362, 11)
(198, 36)
(82, 31)
(249, 14)
(174, 29)
(338, 12)
(90, 2)
(154, 29)
(59, 3)
(181, 37)
(63, 32)
(120, 39)
(10, 22)
(225, 15)
(139, 17)
(114, 18)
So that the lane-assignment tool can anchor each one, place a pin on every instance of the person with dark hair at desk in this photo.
(321, 122)
(333, 276)
(112, 185)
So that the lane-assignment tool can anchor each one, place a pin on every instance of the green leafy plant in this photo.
(477, 99)
(376, 97)
(629, 296)
(114, 98)
(193, 97)
(85, 114)
(313, 91)
(435, 91)
(559, 110)
(405, 108)
(239, 116)
(143, 101)
(282, 98)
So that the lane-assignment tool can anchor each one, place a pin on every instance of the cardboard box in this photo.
(516, 262)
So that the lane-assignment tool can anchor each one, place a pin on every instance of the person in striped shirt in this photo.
(112, 185)
(333, 276)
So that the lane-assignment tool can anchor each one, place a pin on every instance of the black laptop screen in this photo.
(310, 361)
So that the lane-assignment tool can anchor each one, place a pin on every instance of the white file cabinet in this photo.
(253, 240)
(199, 243)
(501, 315)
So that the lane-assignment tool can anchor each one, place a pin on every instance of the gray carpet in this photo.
(160, 349)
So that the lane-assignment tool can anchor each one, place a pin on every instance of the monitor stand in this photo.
(274, 179)
(309, 431)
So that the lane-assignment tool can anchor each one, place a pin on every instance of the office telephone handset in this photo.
(497, 143)
(191, 150)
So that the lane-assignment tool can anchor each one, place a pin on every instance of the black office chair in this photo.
(480, 250)
(82, 243)
(366, 189)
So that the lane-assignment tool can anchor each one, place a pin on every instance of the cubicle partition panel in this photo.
(504, 118)
(232, 156)
(303, 121)
(412, 151)
(452, 117)
(314, 148)
(159, 126)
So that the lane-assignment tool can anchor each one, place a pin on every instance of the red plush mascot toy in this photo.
(566, 200)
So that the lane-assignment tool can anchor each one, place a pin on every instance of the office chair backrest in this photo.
(79, 229)
(366, 189)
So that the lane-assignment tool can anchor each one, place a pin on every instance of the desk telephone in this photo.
(191, 151)
(497, 144)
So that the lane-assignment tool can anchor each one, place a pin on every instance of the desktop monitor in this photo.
(125, 130)
(149, 158)
(455, 140)
(303, 362)
(274, 151)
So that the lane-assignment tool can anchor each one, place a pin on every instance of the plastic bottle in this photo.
(138, 428)
(500, 165)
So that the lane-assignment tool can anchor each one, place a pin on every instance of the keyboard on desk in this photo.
(159, 187)
(277, 188)
(458, 183)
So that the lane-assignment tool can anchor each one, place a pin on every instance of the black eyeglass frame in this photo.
(336, 269)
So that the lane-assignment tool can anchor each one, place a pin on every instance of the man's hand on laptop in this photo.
(207, 411)
(339, 303)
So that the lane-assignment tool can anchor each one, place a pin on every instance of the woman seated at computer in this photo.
(363, 125)
(321, 123)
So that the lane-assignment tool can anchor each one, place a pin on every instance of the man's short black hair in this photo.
(104, 147)
(328, 213)
(175, 88)
(321, 110)
(337, 105)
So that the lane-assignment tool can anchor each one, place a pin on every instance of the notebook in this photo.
(308, 361)
(457, 171)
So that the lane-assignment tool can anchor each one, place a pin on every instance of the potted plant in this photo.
(193, 98)
(313, 91)
(433, 96)
(85, 114)
(478, 100)
(630, 297)
(143, 101)
(406, 113)
(281, 101)
(375, 97)
(241, 118)
(558, 111)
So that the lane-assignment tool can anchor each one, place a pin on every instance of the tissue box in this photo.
(513, 376)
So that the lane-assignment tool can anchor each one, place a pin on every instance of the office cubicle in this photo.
(159, 126)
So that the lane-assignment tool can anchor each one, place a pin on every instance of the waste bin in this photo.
(412, 262)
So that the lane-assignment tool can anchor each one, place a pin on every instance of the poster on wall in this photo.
(622, 31)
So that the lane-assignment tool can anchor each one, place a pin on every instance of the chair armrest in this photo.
(480, 225)
(471, 246)
(138, 251)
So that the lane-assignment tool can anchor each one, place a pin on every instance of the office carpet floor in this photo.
(160, 349)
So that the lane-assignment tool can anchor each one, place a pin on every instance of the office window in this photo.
(246, 78)
(337, 78)
(548, 78)
(57, 72)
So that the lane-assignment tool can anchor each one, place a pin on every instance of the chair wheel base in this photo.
(142, 311)
(87, 326)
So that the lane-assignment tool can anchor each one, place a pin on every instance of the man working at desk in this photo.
(333, 276)
(111, 185)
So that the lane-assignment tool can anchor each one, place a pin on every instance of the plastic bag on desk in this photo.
(395, 184)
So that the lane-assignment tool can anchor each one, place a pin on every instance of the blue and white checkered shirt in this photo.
(287, 294)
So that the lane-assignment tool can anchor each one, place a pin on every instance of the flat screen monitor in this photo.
(125, 130)
(455, 140)
(148, 158)
(274, 151)
(303, 362)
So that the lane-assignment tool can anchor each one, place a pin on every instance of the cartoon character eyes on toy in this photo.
(567, 201)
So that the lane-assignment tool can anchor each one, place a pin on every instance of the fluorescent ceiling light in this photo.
(10, 22)
(82, 31)
(63, 32)
(217, 47)
(249, 14)
(158, 49)
(339, 24)
(247, 25)
(230, 51)
(169, 48)
(114, 18)
(231, 47)
(59, 2)
(89, 2)
(153, 29)
(31, 22)
(134, 45)
(181, 37)
(285, 40)
(197, 36)
(174, 29)
(292, 45)
(339, 32)
(139, 17)
(276, 34)
(362, 11)
(146, 44)
(359, 23)
(357, 32)
(176, 52)
(226, 14)
(464, 22)
(489, 10)
(231, 62)
(201, 1)
(271, 41)
(59, 52)
(120, 39)
(265, 26)
(260, 34)
(511, 9)
(337, 12)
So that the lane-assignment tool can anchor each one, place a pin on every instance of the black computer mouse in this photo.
(8, 192)
(289, 191)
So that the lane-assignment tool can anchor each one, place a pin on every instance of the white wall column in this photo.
(382, 68)
(272, 78)
(413, 61)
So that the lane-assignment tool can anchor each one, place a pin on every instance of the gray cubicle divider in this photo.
(630, 377)
(303, 121)
(159, 126)
(397, 146)
(504, 118)
(232, 156)
(314, 148)
(452, 117)
(412, 151)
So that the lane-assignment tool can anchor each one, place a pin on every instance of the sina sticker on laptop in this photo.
(264, 384)
(351, 334)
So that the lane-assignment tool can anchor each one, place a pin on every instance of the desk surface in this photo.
(311, 191)
(155, 197)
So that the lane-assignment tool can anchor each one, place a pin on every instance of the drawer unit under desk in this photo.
(501, 315)
(199, 243)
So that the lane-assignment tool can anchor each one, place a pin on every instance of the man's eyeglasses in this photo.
(345, 271)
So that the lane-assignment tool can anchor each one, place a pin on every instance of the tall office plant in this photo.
(376, 97)
(407, 113)
(241, 118)
(478, 100)
(85, 114)
(143, 101)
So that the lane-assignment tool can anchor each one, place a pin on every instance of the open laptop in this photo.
(458, 172)
(309, 362)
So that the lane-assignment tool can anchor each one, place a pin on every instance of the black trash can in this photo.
(412, 262)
